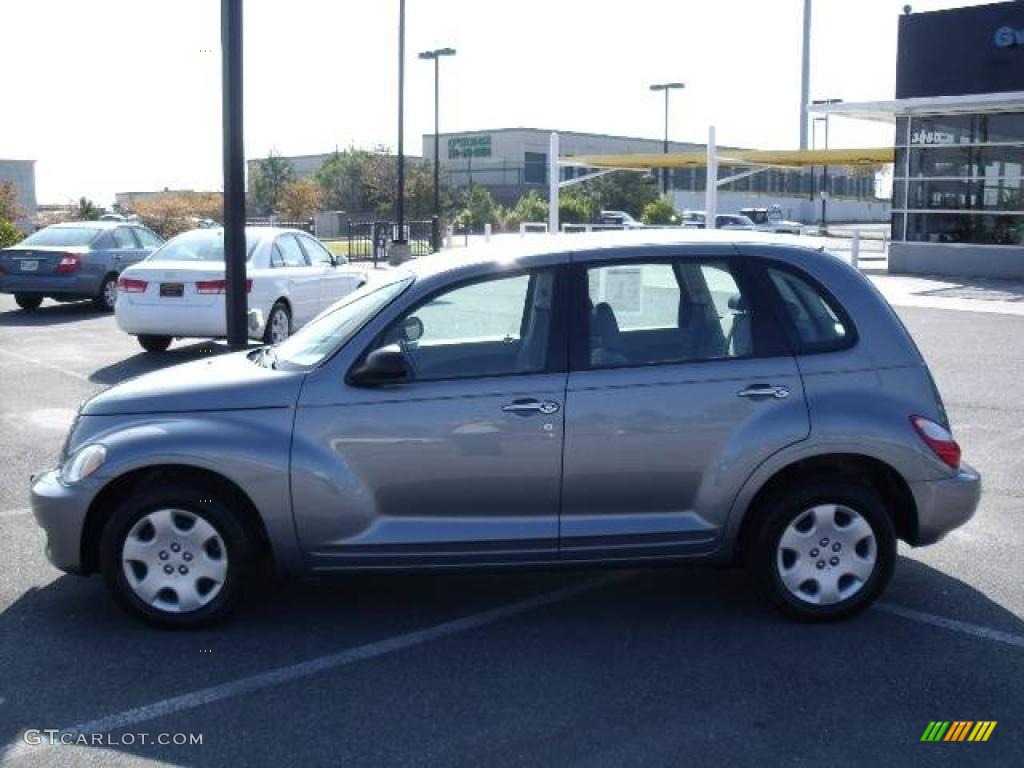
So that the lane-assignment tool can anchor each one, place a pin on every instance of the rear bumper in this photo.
(60, 511)
(943, 505)
(181, 321)
(50, 285)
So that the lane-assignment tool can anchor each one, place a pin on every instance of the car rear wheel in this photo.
(175, 555)
(155, 343)
(279, 324)
(823, 551)
(28, 301)
(105, 300)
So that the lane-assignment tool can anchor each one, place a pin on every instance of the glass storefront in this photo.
(958, 179)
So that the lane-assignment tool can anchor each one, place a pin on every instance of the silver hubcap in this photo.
(826, 554)
(110, 293)
(278, 326)
(174, 560)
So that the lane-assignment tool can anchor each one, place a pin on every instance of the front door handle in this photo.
(547, 407)
(764, 390)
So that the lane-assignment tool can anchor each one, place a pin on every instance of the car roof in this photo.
(91, 224)
(540, 250)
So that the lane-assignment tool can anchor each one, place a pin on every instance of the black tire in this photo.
(30, 302)
(204, 503)
(763, 556)
(106, 298)
(279, 308)
(154, 343)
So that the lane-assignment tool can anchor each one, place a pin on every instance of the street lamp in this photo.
(666, 87)
(435, 56)
(824, 167)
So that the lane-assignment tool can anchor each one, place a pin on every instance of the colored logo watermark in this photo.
(958, 730)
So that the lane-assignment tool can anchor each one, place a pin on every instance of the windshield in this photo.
(325, 334)
(758, 217)
(62, 236)
(200, 245)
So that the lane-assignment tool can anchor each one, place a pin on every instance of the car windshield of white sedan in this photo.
(63, 237)
(200, 245)
(331, 330)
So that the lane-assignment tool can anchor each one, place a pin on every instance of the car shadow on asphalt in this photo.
(71, 656)
(147, 362)
(51, 313)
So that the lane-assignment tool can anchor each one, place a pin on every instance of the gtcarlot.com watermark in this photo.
(35, 737)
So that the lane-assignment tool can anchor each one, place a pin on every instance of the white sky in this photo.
(119, 95)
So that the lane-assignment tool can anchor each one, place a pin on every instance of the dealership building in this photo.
(958, 189)
(512, 161)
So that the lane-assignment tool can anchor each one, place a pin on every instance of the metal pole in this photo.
(234, 173)
(805, 74)
(711, 187)
(824, 185)
(437, 157)
(400, 201)
(553, 184)
(664, 171)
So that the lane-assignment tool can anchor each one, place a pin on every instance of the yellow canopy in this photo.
(775, 157)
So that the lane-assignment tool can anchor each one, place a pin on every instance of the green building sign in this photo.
(469, 146)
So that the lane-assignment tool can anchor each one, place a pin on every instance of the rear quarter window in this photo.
(815, 319)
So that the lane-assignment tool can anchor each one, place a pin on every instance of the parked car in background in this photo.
(770, 220)
(655, 396)
(179, 291)
(618, 219)
(697, 220)
(74, 261)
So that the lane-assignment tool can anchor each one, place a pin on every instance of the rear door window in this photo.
(123, 238)
(818, 324)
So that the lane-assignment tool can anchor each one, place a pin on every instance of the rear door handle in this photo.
(764, 390)
(524, 407)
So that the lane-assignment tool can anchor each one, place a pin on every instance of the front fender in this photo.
(250, 448)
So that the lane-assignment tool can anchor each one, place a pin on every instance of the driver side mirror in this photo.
(383, 366)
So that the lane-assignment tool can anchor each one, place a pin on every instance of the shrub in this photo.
(660, 211)
(9, 234)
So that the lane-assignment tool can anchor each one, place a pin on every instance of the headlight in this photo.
(84, 463)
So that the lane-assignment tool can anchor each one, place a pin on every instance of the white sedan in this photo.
(178, 291)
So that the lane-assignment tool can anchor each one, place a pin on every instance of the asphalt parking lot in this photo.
(661, 667)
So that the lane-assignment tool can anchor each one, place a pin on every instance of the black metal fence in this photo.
(368, 240)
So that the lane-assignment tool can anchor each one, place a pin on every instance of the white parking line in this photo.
(293, 672)
(50, 366)
(953, 625)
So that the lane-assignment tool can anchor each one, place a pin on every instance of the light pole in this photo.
(399, 244)
(235, 300)
(435, 56)
(666, 87)
(824, 167)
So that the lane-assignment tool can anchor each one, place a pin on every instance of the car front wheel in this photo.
(175, 555)
(824, 551)
(279, 324)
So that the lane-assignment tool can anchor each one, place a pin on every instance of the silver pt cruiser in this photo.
(634, 398)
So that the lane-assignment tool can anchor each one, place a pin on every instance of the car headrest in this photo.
(605, 325)
(738, 303)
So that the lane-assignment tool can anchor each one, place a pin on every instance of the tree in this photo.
(171, 213)
(575, 208)
(343, 180)
(300, 199)
(9, 234)
(87, 210)
(660, 211)
(269, 178)
(10, 210)
(478, 209)
(620, 191)
(531, 207)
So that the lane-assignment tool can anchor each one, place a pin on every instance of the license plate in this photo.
(29, 266)
(172, 290)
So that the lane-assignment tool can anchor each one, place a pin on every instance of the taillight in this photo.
(939, 439)
(218, 286)
(129, 285)
(69, 262)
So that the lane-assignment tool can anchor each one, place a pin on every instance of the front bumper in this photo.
(943, 505)
(60, 511)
